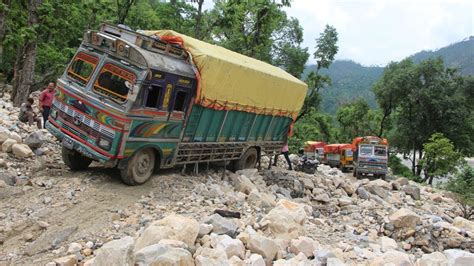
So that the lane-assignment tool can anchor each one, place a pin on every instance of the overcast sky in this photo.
(375, 32)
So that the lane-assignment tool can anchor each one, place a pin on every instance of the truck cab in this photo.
(370, 157)
(339, 155)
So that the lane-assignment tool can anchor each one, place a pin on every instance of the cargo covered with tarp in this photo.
(231, 81)
(337, 148)
(369, 140)
(311, 146)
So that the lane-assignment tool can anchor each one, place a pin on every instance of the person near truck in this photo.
(46, 101)
(27, 114)
(284, 151)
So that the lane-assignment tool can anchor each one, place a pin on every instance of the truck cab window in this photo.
(112, 82)
(82, 67)
(180, 101)
(154, 95)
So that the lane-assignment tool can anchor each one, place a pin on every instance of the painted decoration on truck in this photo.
(156, 129)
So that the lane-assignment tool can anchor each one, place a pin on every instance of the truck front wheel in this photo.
(75, 160)
(248, 160)
(139, 168)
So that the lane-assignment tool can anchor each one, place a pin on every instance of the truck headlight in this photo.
(104, 143)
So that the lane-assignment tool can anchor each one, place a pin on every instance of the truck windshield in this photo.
(380, 151)
(365, 150)
(82, 67)
(348, 152)
(114, 82)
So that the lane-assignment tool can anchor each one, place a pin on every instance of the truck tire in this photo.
(248, 160)
(74, 160)
(139, 168)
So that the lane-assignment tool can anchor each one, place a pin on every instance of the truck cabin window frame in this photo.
(82, 67)
(365, 150)
(112, 82)
(380, 151)
(180, 100)
(153, 97)
(348, 153)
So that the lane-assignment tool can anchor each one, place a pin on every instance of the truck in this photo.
(370, 156)
(339, 155)
(141, 101)
(314, 149)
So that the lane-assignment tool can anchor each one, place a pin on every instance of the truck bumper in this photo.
(76, 145)
(374, 171)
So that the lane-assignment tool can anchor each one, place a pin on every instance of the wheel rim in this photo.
(143, 166)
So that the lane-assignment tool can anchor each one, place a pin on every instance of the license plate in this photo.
(68, 142)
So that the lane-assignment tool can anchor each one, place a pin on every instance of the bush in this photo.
(398, 168)
(463, 187)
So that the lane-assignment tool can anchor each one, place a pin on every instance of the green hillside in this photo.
(352, 80)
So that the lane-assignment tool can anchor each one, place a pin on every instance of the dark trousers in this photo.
(286, 157)
(45, 114)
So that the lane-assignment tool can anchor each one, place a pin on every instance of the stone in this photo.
(323, 255)
(404, 218)
(335, 262)
(322, 198)
(52, 238)
(459, 257)
(70, 260)
(3, 184)
(299, 259)
(436, 197)
(221, 225)
(255, 260)
(115, 252)
(308, 183)
(304, 245)
(159, 254)
(348, 188)
(4, 134)
(261, 199)
(74, 248)
(173, 227)
(21, 150)
(413, 191)
(35, 140)
(232, 247)
(264, 246)
(433, 259)
(7, 145)
(173, 243)
(204, 229)
(242, 183)
(16, 136)
(344, 201)
(87, 252)
(377, 190)
(392, 258)
(286, 220)
(363, 193)
(464, 224)
(387, 243)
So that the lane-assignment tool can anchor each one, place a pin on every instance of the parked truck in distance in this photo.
(142, 101)
(370, 156)
(314, 149)
(339, 155)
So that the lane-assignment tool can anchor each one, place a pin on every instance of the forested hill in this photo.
(351, 80)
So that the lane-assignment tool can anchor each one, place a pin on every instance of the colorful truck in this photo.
(141, 101)
(314, 149)
(339, 155)
(370, 156)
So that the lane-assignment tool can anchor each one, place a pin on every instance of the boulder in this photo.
(363, 194)
(232, 247)
(261, 199)
(433, 259)
(160, 254)
(264, 246)
(4, 134)
(392, 258)
(413, 191)
(221, 225)
(377, 190)
(173, 227)
(348, 188)
(335, 262)
(286, 220)
(462, 223)
(212, 257)
(404, 218)
(74, 248)
(204, 229)
(299, 260)
(344, 201)
(242, 183)
(304, 245)
(115, 252)
(436, 197)
(459, 257)
(16, 136)
(7, 145)
(324, 197)
(70, 260)
(35, 140)
(387, 243)
(307, 183)
(255, 260)
(22, 150)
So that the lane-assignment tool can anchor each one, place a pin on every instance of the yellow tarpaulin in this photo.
(234, 81)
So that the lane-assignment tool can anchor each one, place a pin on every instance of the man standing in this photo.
(284, 151)
(46, 101)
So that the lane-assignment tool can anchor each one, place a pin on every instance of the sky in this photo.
(375, 32)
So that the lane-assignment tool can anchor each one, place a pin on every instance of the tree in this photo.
(326, 49)
(123, 7)
(440, 157)
(313, 126)
(463, 186)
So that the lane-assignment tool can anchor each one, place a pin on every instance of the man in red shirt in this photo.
(46, 101)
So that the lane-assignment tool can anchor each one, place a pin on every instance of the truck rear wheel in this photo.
(139, 168)
(75, 160)
(248, 160)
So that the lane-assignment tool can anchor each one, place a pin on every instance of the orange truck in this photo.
(339, 155)
(370, 156)
(314, 149)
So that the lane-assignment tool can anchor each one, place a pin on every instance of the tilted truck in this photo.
(314, 149)
(339, 155)
(141, 101)
(370, 156)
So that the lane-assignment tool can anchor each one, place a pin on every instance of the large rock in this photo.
(387, 243)
(242, 183)
(433, 259)
(348, 188)
(4, 134)
(261, 199)
(173, 227)
(286, 220)
(160, 254)
(35, 140)
(304, 245)
(392, 258)
(22, 150)
(413, 191)
(232, 247)
(377, 190)
(221, 225)
(16, 136)
(264, 246)
(52, 238)
(404, 218)
(462, 223)
(115, 252)
(70, 260)
(459, 257)
(363, 193)
(7, 145)
(210, 257)
(255, 260)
